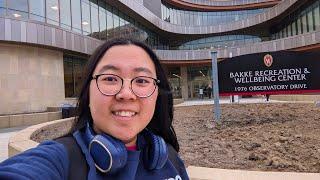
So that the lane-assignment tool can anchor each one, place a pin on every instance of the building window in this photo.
(122, 28)
(73, 74)
(37, 10)
(199, 77)
(52, 9)
(18, 9)
(299, 25)
(294, 28)
(2, 3)
(285, 31)
(65, 14)
(2, 7)
(304, 23)
(76, 15)
(116, 22)
(86, 23)
(109, 21)
(174, 78)
(310, 21)
(94, 18)
(102, 20)
(316, 13)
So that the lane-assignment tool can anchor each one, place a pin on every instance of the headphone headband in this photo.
(110, 154)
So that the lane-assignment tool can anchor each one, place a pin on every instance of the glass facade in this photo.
(65, 14)
(199, 18)
(305, 19)
(95, 18)
(102, 20)
(218, 42)
(2, 3)
(17, 8)
(174, 78)
(85, 14)
(2, 7)
(199, 77)
(52, 12)
(73, 77)
(76, 15)
(37, 10)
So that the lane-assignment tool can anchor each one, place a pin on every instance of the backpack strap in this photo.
(78, 168)
(173, 157)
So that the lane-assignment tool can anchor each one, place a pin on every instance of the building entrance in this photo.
(200, 89)
(199, 82)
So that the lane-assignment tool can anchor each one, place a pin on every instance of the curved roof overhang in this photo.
(303, 42)
(218, 6)
(142, 13)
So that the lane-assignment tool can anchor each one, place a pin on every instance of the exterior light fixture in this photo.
(176, 75)
(16, 15)
(85, 23)
(54, 8)
(202, 73)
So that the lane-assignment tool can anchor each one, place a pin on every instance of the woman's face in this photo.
(123, 115)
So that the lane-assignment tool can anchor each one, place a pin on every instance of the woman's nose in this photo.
(125, 92)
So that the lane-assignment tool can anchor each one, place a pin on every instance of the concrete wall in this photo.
(154, 6)
(10, 121)
(31, 136)
(184, 82)
(31, 79)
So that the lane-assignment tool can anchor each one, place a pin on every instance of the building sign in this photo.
(281, 72)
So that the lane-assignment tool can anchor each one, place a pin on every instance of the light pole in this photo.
(215, 88)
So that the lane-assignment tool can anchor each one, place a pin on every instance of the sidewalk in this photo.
(227, 101)
(5, 134)
(200, 173)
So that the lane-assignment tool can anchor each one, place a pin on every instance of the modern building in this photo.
(44, 44)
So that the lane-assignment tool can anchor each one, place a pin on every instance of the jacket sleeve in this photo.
(49, 160)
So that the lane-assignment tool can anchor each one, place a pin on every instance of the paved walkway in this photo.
(201, 173)
(227, 101)
(5, 135)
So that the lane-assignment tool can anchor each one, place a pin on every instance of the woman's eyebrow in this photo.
(142, 69)
(108, 67)
(112, 67)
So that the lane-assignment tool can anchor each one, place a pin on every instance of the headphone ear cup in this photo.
(155, 154)
(109, 154)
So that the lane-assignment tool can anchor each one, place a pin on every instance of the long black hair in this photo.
(161, 122)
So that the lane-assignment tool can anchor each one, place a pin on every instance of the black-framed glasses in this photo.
(111, 84)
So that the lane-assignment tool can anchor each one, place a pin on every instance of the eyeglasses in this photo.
(111, 84)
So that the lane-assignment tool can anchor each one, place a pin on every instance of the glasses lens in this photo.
(109, 84)
(143, 86)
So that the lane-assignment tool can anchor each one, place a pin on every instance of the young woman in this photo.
(124, 126)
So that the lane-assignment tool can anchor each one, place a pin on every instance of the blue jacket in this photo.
(50, 160)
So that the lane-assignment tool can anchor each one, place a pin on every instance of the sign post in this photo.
(215, 84)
